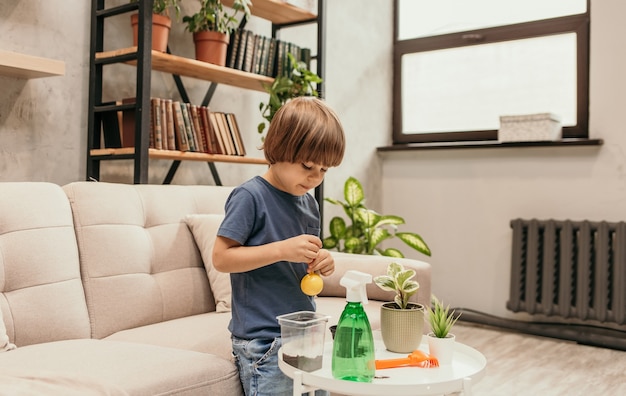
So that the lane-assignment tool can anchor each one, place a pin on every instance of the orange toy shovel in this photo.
(417, 358)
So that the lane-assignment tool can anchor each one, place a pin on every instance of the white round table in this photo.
(468, 365)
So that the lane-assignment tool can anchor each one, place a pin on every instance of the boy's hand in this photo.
(302, 248)
(324, 263)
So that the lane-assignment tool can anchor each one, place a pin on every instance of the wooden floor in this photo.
(521, 364)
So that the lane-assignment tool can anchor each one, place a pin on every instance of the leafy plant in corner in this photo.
(300, 81)
(368, 228)
(213, 16)
(398, 279)
(440, 318)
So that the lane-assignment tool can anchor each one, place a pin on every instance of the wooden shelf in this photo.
(178, 155)
(277, 11)
(13, 64)
(182, 66)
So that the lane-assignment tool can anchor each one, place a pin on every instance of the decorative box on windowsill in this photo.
(530, 128)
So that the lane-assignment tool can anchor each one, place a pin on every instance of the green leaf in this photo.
(353, 192)
(392, 252)
(389, 219)
(415, 241)
(330, 243)
(377, 236)
(337, 227)
(368, 217)
(385, 282)
(354, 245)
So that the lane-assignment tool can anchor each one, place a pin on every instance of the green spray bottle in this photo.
(353, 347)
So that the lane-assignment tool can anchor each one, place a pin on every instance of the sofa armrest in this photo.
(376, 265)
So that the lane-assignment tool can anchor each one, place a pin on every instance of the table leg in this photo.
(467, 386)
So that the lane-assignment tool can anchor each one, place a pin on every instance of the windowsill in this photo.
(489, 144)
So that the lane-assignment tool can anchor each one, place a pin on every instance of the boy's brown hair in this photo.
(305, 129)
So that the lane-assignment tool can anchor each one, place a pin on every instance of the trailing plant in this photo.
(299, 81)
(440, 318)
(163, 7)
(213, 16)
(368, 228)
(398, 279)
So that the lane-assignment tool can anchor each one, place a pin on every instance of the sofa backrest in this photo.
(139, 262)
(41, 294)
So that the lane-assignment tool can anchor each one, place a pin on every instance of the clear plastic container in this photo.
(302, 336)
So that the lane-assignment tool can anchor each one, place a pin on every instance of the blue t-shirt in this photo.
(257, 213)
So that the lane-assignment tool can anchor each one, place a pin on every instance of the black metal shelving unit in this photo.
(280, 14)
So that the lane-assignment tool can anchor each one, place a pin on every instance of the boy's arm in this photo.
(230, 256)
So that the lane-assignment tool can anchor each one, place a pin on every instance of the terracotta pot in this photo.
(211, 47)
(401, 329)
(161, 25)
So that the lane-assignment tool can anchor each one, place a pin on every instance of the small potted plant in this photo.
(401, 321)
(300, 81)
(368, 228)
(161, 23)
(211, 27)
(441, 321)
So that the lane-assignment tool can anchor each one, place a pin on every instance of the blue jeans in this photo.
(257, 361)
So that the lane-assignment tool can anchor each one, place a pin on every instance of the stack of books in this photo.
(182, 126)
(262, 55)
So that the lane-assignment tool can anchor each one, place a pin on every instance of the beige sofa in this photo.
(104, 290)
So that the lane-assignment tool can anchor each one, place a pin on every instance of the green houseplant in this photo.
(440, 318)
(368, 228)
(161, 22)
(212, 25)
(401, 321)
(299, 81)
(440, 340)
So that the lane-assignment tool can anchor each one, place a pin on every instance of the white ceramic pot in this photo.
(441, 348)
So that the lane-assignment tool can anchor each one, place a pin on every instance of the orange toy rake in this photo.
(416, 358)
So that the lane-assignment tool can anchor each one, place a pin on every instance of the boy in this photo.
(269, 238)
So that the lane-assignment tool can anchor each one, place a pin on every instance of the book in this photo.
(110, 122)
(163, 123)
(179, 125)
(128, 124)
(216, 128)
(251, 45)
(155, 108)
(169, 120)
(198, 129)
(270, 62)
(206, 126)
(241, 52)
(259, 49)
(233, 48)
(227, 137)
(184, 110)
(237, 138)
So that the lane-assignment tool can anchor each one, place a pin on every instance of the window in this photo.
(459, 65)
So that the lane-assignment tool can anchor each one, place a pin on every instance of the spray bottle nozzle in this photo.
(354, 282)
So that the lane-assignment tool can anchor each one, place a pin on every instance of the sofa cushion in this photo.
(139, 261)
(138, 369)
(41, 294)
(26, 381)
(204, 229)
(207, 333)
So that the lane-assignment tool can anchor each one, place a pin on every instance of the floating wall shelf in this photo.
(18, 65)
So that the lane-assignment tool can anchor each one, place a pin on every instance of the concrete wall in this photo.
(43, 122)
(461, 201)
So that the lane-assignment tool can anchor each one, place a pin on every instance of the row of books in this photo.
(175, 125)
(262, 55)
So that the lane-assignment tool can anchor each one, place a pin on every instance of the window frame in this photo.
(578, 24)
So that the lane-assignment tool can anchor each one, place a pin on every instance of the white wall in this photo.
(461, 201)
